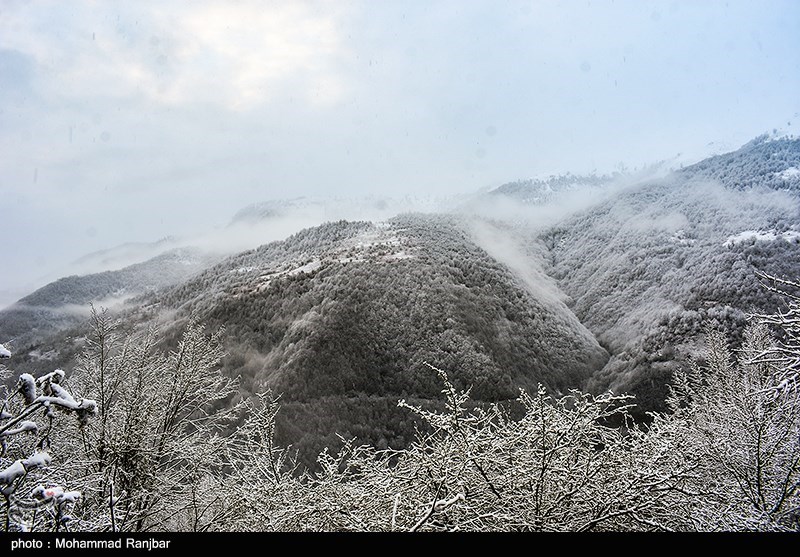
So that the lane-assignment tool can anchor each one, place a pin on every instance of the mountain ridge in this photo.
(341, 318)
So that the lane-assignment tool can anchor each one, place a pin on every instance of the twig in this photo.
(432, 508)
(394, 510)
(485, 477)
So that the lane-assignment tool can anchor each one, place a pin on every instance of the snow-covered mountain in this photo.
(123, 255)
(651, 268)
(538, 191)
(612, 292)
(65, 302)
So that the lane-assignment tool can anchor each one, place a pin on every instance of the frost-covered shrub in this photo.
(557, 468)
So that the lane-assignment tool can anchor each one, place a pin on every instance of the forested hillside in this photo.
(65, 302)
(651, 268)
(134, 441)
(340, 319)
(542, 191)
(766, 161)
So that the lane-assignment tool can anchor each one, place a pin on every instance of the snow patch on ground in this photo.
(681, 238)
(307, 268)
(382, 243)
(762, 236)
(399, 255)
(265, 279)
(350, 259)
(38, 355)
(791, 174)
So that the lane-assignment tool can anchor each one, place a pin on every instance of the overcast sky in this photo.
(130, 121)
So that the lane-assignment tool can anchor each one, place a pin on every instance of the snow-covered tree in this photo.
(739, 421)
(148, 437)
(560, 467)
(29, 417)
(159, 429)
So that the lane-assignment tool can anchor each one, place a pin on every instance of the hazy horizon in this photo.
(131, 121)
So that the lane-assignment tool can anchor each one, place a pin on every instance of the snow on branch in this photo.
(19, 468)
(12, 473)
(26, 385)
(56, 494)
(53, 377)
(23, 427)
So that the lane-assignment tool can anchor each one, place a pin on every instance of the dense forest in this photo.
(289, 361)
(343, 331)
(134, 441)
